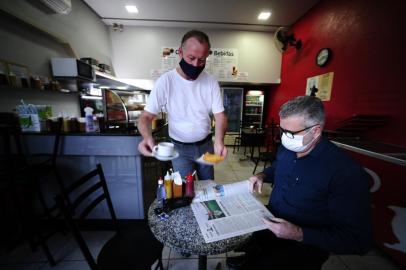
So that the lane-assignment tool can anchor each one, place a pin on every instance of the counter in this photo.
(386, 164)
(79, 154)
(127, 177)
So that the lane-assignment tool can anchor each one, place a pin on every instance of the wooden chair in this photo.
(135, 249)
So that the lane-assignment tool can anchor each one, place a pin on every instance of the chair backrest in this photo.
(70, 207)
(10, 136)
(271, 138)
(57, 141)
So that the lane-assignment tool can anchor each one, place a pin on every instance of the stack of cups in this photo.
(177, 185)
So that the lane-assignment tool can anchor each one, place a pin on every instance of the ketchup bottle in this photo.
(190, 186)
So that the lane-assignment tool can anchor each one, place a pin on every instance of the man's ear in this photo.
(318, 130)
(180, 52)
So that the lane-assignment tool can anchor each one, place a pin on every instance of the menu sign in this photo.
(222, 62)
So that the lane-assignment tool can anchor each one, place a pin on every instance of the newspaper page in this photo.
(208, 189)
(224, 211)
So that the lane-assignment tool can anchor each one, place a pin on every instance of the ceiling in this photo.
(209, 14)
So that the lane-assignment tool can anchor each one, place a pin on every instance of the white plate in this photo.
(165, 158)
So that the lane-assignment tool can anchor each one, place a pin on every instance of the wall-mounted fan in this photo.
(284, 37)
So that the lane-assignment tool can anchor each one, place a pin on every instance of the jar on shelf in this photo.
(12, 78)
(3, 79)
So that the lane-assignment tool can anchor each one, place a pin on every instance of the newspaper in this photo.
(224, 211)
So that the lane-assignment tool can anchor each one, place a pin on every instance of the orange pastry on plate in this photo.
(212, 158)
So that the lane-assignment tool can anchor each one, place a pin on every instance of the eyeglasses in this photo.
(291, 134)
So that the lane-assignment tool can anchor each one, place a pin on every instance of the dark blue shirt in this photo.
(326, 193)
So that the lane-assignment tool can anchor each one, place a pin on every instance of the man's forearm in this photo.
(144, 127)
(221, 126)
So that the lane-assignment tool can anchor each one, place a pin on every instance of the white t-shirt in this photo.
(187, 104)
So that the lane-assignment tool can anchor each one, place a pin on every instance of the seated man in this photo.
(320, 197)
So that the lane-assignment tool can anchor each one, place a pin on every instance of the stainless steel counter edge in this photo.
(372, 154)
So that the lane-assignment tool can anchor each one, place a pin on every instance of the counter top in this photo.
(108, 133)
(105, 133)
(391, 153)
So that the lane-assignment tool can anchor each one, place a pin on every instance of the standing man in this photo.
(320, 197)
(189, 96)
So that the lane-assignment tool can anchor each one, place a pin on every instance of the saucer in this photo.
(165, 158)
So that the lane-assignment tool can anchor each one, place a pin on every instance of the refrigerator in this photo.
(233, 106)
(253, 112)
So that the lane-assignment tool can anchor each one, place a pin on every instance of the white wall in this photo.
(83, 29)
(137, 50)
(86, 33)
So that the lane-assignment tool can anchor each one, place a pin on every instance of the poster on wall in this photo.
(222, 63)
(169, 58)
(321, 85)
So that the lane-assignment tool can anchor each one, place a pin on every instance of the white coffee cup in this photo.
(164, 149)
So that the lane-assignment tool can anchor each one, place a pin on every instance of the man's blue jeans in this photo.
(186, 163)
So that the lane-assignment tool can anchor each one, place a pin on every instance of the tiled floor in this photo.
(69, 256)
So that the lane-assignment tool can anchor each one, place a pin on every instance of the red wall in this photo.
(369, 47)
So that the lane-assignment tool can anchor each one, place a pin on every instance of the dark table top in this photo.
(182, 233)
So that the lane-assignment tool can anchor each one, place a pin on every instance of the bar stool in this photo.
(22, 177)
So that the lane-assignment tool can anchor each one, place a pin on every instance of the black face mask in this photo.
(190, 70)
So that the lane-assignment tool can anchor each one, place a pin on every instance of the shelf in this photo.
(103, 80)
(63, 91)
(253, 114)
(107, 80)
(252, 105)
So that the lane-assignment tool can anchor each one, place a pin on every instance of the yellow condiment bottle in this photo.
(168, 185)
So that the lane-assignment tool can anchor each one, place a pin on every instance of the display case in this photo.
(123, 108)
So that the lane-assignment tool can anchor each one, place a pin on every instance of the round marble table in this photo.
(182, 233)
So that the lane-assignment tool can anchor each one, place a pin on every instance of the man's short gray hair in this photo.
(311, 108)
(202, 37)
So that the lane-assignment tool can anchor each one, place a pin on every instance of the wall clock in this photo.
(323, 56)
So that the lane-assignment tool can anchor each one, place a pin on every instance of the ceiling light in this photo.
(91, 97)
(132, 9)
(264, 16)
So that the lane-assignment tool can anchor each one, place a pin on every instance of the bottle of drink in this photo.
(160, 194)
(89, 119)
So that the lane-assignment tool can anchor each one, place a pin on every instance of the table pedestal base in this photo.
(202, 262)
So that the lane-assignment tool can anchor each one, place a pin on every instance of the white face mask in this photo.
(296, 144)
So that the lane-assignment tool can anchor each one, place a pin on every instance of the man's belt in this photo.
(205, 140)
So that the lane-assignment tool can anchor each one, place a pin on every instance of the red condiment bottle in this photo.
(190, 186)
